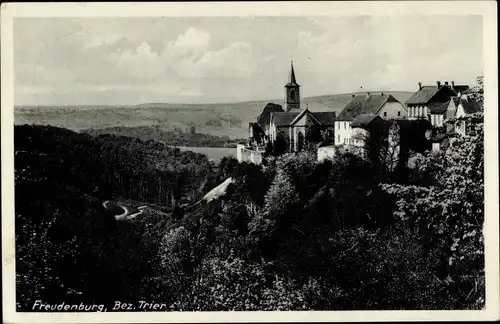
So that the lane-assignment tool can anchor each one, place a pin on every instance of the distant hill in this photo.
(222, 119)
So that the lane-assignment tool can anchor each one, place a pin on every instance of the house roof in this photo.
(470, 106)
(369, 104)
(426, 93)
(283, 118)
(423, 95)
(438, 107)
(364, 120)
(460, 88)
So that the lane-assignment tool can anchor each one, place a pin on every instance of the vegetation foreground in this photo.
(292, 234)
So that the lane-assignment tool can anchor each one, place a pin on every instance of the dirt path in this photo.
(125, 215)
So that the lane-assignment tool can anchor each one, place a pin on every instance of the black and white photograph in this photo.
(226, 161)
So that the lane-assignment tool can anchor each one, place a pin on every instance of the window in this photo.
(399, 114)
(418, 111)
(345, 125)
(338, 137)
(339, 127)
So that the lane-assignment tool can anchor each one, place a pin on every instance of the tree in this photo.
(449, 214)
(478, 91)
(279, 211)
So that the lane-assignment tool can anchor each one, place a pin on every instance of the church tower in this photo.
(292, 93)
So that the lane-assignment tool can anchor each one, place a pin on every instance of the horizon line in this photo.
(200, 103)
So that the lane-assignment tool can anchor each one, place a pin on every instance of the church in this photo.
(294, 127)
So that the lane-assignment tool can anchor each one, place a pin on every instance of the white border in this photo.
(487, 9)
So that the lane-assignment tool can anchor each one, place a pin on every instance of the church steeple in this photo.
(292, 74)
(292, 93)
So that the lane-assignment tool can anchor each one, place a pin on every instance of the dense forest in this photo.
(172, 137)
(290, 234)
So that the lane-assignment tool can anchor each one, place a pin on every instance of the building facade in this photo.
(381, 105)
(432, 102)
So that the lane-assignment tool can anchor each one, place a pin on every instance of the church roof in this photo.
(283, 118)
(292, 82)
(327, 118)
(369, 104)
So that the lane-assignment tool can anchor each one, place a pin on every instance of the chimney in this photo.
(438, 84)
(453, 84)
(353, 95)
(446, 83)
(420, 86)
(381, 93)
(368, 93)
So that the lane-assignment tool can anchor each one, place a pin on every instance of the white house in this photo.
(384, 106)
(431, 102)
(464, 107)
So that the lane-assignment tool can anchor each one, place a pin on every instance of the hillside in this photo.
(229, 119)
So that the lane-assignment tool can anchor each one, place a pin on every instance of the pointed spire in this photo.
(292, 74)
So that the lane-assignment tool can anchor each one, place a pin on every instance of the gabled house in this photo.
(384, 106)
(465, 107)
(431, 102)
(361, 126)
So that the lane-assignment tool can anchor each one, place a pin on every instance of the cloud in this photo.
(219, 59)
(233, 61)
(192, 39)
(106, 39)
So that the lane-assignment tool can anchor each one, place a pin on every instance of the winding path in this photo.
(211, 195)
(126, 214)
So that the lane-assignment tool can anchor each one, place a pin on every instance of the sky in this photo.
(116, 61)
